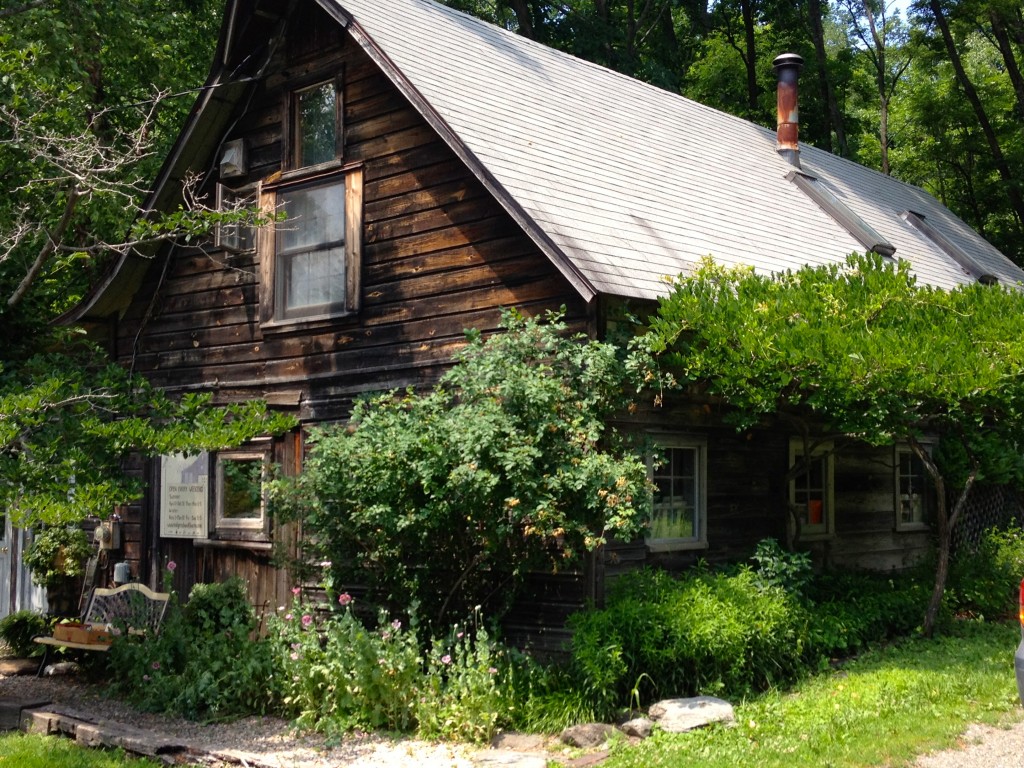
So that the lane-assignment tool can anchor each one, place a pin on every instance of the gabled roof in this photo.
(623, 183)
(620, 183)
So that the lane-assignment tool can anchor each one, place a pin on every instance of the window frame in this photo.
(665, 442)
(273, 313)
(291, 138)
(233, 198)
(246, 527)
(927, 494)
(823, 452)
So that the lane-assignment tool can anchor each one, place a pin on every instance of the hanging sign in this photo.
(184, 496)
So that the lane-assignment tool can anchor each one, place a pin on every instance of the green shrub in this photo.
(17, 630)
(849, 610)
(705, 633)
(775, 567)
(985, 581)
(204, 664)
(337, 674)
(449, 497)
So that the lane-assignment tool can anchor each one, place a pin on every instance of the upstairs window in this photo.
(240, 236)
(316, 125)
(679, 506)
(311, 261)
(811, 495)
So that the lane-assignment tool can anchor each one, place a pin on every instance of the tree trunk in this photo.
(747, 7)
(834, 118)
(1009, 181)
(523, 18)
(944, 524)
(1002, 36)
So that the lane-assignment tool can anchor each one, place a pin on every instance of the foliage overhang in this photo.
(861, 347)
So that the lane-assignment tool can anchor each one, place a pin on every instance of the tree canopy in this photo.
(91, 95)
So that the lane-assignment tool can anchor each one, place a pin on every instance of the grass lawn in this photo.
(18, 750)
(882, 709)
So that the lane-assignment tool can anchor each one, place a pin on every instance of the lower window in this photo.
(241, 498)
(914, 494)
(811, 495)
(679, 504)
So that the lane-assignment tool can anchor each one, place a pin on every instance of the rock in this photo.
(587, 734)
(61, 668)
(503, 758)
(681, 715)
(638, 727)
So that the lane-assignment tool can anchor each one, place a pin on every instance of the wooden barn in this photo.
(435, 169)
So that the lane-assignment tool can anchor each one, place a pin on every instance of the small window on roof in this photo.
(951, 249)
(859, 229)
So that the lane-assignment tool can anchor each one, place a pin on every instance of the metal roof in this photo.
(622, 183)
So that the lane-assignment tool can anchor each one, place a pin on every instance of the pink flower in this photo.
(459, 635)
(145, 677)
(492, 671)
(287, 617)
(396, 625)
(446, 659)
(295, 656)
(171, 565)
(296, 591)
(306, 619)
(156, 665)
(344, 599)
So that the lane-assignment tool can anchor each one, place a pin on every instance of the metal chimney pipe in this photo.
(787, 68)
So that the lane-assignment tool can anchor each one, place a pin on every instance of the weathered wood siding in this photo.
(439, 256)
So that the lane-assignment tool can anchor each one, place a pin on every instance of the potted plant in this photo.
(57, 557)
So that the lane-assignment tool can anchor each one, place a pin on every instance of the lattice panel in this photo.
(987, 507)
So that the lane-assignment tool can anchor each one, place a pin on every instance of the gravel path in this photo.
(265, 741)
(270, 742)
(983, 747)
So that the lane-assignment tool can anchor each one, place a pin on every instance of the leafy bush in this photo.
(705, 633)
(203, 664)
(450, 497)
(849, 610)
(336, 674)
(775, 567)
(17, 630)
(985, 582)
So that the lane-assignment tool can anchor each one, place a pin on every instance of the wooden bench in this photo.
(133, 608)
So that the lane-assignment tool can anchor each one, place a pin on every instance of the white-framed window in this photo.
(914, 494)
(240, 478)
(811, 492)
(236, 237)
(678, 471)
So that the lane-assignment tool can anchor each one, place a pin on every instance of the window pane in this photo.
(315, 216)
(913, 499)
(242, 490)
(675, 496)
(317, 124)
(315, 278)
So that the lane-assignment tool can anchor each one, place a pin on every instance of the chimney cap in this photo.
(784, 60)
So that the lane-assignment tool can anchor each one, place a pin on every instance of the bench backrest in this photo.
(131, 606)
